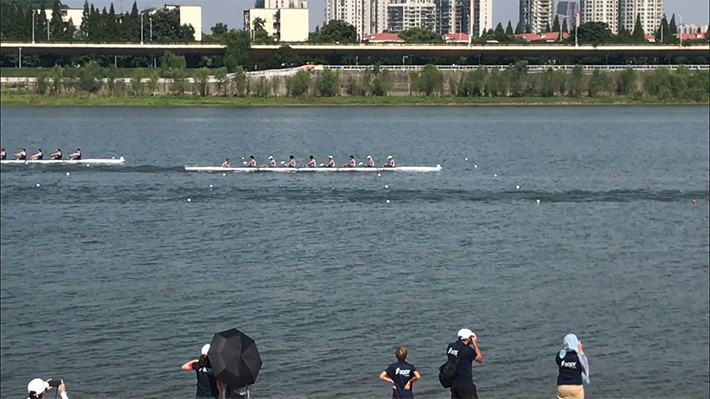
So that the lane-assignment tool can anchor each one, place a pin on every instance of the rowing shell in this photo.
(88, 161)
(321, 169)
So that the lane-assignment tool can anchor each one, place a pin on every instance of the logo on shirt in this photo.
(569, 364)
(454, 352)
(402, 372)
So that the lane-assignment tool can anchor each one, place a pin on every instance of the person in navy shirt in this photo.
(573, 369)
(206, 383)
(463, 352)
(401, 375)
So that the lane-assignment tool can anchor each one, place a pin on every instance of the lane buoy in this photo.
(538, 201)
(388, 201)
(67, 173)
(692, 202)
(37, 184)
(466, 159)
(210, 186)
(517, 187)
(189, 200)
(475, 166)
(386, 186)
(495, 175)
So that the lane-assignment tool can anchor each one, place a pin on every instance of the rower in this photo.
(75, 155)
(331, 162)
(291, 162)
(311, 162)
(390, 162)
(56, 155)
(3, 154)
(37, 155)
(226, 164)
(369, 163)
(252, 162)
(351, 163)
(22, 155)
(271, 163)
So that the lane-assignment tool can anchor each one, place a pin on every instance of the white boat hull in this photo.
(88, 161)
(313, 170)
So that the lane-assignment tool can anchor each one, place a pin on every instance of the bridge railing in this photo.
(533, 68)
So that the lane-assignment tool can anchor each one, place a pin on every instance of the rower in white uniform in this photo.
(291, 162)
(56, 154)
(37, 155)
(351, 163)
(390, 162)
(271, 163)
(226, 164)
(311, 162)
(252, 162)
(331, 162)
(369, 162)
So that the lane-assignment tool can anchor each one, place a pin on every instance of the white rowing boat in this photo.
(88, 161)
(313, 170)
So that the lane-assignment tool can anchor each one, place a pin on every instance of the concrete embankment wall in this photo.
(276, 80)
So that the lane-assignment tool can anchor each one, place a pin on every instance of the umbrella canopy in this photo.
(234, 358)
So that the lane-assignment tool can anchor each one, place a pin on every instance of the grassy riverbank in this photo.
(24, 98)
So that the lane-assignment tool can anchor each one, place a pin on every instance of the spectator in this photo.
(463, 352)
(206, 383)
(573, 369)
(38, 387)
(401, 375)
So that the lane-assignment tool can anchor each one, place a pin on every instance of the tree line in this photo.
(514, 81)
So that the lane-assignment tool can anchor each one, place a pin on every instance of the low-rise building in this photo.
(75, 15)
(384, 37)
(283, 24)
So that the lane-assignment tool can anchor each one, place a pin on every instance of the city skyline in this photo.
(230, 12)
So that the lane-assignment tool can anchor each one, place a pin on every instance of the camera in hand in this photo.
(55, 383)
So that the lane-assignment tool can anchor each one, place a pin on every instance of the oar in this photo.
(360, 164)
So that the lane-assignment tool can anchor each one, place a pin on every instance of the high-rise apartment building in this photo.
(568, 10)
(406, 14)
(535, 15)
(359, 13)
(464, 16)
(650, 13)
(606, 11)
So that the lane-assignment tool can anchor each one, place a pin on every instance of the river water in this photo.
(112, 277)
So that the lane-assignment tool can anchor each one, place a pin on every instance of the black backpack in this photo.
(447, 373)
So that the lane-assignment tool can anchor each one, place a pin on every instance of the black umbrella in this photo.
(234, 358)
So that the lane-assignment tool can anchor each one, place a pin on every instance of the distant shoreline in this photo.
(29, 99)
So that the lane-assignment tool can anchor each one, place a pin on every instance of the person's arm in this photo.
(479, 356)
(188, 365)
(383, 377)
(416, 377)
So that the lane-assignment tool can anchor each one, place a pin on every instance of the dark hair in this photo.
(35, 395)
(202, 362)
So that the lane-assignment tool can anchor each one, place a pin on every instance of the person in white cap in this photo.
(331, 162)
(463, 352)
(369, 162)
(206, 383)
(390, 162)
(38, 387)
(271, 162)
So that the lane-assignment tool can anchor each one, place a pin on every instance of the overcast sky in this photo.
(230, 11)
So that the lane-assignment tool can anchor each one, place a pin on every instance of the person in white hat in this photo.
(331, 162)
(37, 388)
(270, 163)
(369, 162)
(206, 383)
(463, 352)
(390, 162)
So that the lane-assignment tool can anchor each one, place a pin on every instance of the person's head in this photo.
(203, 355)
(330, 157)
(226, 159)
(465, 335)
(352, 157)
(59, 150)
(310, 157)
(369, 157)
(290, 157)
(570, 343)
(271, 157)
(251, 157)
(78, 149)
(36, 388)
(24, 149)
(401, 353)
(39, 150)
(389, 157)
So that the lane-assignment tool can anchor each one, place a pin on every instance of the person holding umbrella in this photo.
(206, 383)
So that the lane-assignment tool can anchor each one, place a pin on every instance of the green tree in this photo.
(593, 33)
(499, 29)
(509, 29)
(638, 34)
(382, 83)
(420, 35)
(219, 29)
(137, 82)
(353, 87)
(285, 56)
(556, 24)
(179, 81)
(202, 75)
(564, 26)
(516, 75)
(171, 62)
(492, 87)
(153, 81)
(237, 45)
(672, 25)
(663, 34)
(259, 33)
(42, 84)
(222, 80)
(430, 80)
(335, 31)
(627, 82)
(547, 83)
(262, 88)
(90, 77)
(299, 84)
(57, 80)
(547, 27)
(328, 83)
(599, 84)
(240, 81)
(577, 83)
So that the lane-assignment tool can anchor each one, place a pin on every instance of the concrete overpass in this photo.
(362, 50)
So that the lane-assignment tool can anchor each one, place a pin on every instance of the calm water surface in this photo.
(111, 279)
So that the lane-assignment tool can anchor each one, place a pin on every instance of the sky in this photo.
(230, 12)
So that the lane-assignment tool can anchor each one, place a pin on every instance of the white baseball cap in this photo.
(205, 349)
(330, 156)
(389, 157)
(466, 333)
(37, 386)
(271, 157)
